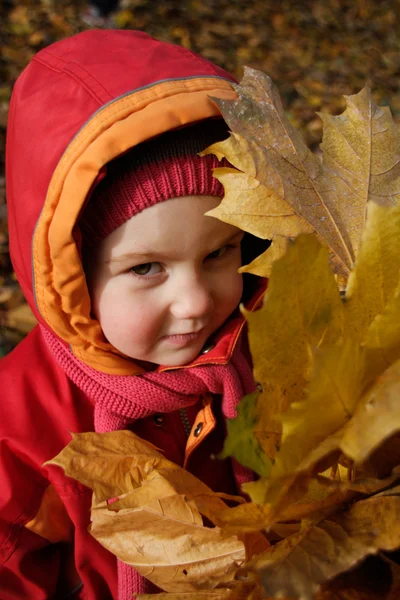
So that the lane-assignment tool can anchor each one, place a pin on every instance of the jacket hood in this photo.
(80, 103)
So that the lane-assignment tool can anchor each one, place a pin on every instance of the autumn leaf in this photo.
(122, 465)
(301, 310)
(376, 418)
(297, 565)
(333, 394)
(323, 498)
(329, 392)
(166, 542)
(110, 465)
(369, 418)
(262, 265)
(382, 340)
(246, 198)
(377, 259)
(242, 438)
(284, 189)
(148, 512)
(240, 590)
(252, 517)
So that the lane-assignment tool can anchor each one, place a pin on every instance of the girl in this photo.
(135, 289)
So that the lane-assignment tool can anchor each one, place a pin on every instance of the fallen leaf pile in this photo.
(323, 429)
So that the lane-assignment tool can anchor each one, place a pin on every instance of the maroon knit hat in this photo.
(163, 168)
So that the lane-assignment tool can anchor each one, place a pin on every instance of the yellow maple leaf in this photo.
(302, 310)
(338, 397)
(376, 274)
(376, 418)
(284, 189)
(316, 364)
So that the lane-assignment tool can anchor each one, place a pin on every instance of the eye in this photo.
(217, 253)
(146, 269)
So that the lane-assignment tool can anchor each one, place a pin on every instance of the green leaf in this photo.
(241, 441)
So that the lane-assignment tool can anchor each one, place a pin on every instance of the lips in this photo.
(182, 339)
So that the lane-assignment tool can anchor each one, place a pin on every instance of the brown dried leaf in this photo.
(166, 543)
(238, 590)
(298, 565)
(154, 521)
(116, 464)
(110, 464)
(323, 498)
(360, 150)
(371, 580)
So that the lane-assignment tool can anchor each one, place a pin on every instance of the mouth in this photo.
(183, 339)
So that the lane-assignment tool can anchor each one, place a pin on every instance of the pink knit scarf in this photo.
(120, 400)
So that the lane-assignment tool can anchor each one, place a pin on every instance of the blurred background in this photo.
(315, 51)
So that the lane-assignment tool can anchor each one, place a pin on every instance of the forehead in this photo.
(177, 224)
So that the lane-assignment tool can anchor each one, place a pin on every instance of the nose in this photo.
(192, 299)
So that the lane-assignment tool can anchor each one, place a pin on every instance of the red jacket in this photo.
(79, 104)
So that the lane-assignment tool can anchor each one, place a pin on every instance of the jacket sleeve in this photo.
(30, 570)
(35, 534)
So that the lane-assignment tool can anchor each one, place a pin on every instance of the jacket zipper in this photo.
(185, 421)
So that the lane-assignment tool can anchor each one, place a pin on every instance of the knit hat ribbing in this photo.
(163, 168)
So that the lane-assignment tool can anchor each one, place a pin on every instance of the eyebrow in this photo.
(157, 255)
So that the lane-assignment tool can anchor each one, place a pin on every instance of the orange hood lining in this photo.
(60, 286)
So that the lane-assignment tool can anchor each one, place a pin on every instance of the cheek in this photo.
(128, 321)
(143, 321)
(231, 289)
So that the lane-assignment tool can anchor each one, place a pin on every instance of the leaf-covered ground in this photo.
(315, 51)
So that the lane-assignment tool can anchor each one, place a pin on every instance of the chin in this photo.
(180, 358)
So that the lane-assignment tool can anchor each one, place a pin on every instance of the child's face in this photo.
(165, 280)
